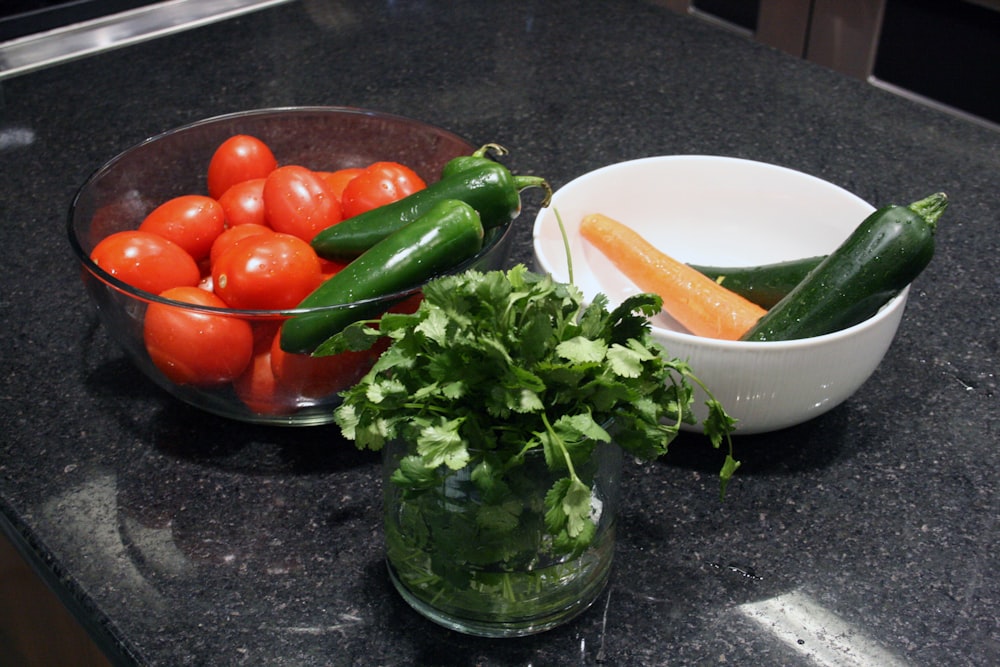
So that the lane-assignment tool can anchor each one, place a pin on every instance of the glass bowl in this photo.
(120, 194)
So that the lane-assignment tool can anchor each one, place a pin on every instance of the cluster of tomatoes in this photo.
(245, 246)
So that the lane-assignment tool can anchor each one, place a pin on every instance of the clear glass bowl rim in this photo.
(493, 237)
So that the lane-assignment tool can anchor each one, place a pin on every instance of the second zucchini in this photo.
(766, 284)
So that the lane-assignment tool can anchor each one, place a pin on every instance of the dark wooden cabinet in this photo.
(35, 627)
(941, 52)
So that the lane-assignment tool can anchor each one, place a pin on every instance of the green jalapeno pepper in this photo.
(480, 156)
(487, 186)
(447, 234)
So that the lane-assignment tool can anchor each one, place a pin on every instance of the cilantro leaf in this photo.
(500, 518)
(581, 349)
(414, 473)
(440, 444)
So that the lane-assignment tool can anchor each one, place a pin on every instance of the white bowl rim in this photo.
(765, 347)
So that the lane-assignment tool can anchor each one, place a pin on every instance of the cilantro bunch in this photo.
(495, 365)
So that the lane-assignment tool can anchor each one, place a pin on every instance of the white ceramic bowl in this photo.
(728, 212)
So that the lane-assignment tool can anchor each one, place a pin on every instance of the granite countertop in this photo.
(867, 536)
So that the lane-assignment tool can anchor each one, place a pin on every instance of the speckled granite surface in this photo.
(868, 534)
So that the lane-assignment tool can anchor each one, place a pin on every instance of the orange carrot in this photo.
(703, 306)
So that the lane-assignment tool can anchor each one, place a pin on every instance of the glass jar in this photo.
(483, 562)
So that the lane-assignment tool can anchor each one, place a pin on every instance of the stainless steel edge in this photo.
(33, 52)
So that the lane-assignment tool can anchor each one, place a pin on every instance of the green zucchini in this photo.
(445, 236)
(765, 284)
(882, 256)
(487, 186)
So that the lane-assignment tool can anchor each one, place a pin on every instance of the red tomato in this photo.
(199, 348)
(229, 238)
(331, 267)
(146, 261)
(409, 305)
(257, 386)
(191, 221)
(243, 203)
(310, 378)
(259, 390)
(338, 180)
(266, 272)
(379, 184)
(239, 158)
(298, 201)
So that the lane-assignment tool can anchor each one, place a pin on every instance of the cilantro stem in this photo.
(519, 457)
(722, 426)
(565, 239)
(508, 588)
(562, 447)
